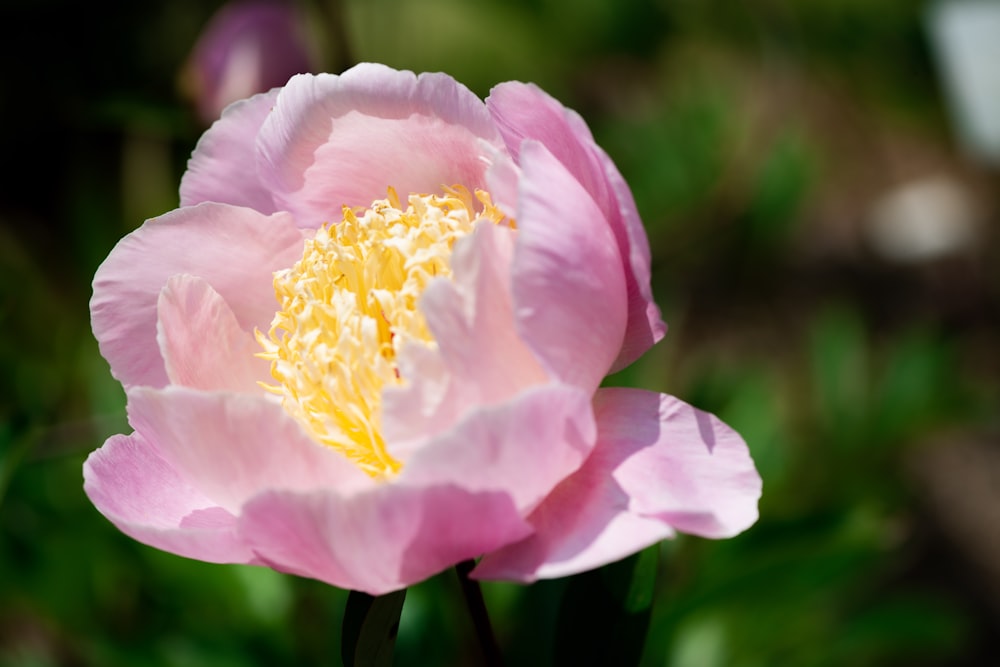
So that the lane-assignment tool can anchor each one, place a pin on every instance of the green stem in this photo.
(473, 595)
(368, 635)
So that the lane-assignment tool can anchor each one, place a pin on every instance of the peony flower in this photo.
(248, 47)
(370, 345)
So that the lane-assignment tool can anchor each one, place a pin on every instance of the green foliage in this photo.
(605, 613)
(370, 627)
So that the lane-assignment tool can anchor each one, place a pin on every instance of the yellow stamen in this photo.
(349, 306)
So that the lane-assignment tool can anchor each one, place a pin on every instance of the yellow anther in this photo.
(350, 304)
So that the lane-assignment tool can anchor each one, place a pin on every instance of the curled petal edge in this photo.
(659, 466)
(148, 500)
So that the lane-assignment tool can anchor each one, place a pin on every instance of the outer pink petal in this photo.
(569, 286)
(461, 496)
(523, 448)
(378, 541)
(342, 140)
(234, 249)
(202, 344)
(480, 359)
(222, 167)
(234, 446)
(523, 111)
(695, 474)
(148, 500)
(645, 325)
(660, 464)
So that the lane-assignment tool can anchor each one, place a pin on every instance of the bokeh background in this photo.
(824, 249)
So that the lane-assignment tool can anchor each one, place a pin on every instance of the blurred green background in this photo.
(768, 144)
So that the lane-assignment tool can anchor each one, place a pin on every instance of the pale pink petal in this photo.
(523, 447)
(502, 177)
(523, 111)
(693, 471)
(342, 140)
(472, 317)
(223, 166)
(202, 344)
(234, 249)
(480, 359)
(569, 285)
(382, 540)
(659, 465)
(608, 535)
(233, 446)
(428, 402)
(461, 496)
(148, 500)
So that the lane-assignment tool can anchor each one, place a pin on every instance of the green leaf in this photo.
(841, 377)
(605, 613)
(368, 635)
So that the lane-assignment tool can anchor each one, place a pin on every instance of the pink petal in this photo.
(148, 500)
(569, 286)
(645, 325)
(480, 359)
(342, 140)
(566, 544)
(659, 465)
(223, 166)
(234, 446)
(523, 447)
(693, 471)
(502, 179)
(378, 541)
(523, 111)
(234, 249)
(472, 318)
(461, 496)
(426, 405)
(202, 344)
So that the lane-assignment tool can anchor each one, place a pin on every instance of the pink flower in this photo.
(370, 401)
(248, 47)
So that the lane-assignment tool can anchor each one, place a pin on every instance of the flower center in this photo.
(349, 306)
